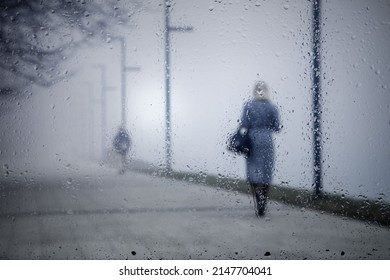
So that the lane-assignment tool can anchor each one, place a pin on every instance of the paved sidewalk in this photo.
(78, 215)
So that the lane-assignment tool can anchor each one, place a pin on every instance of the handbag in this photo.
(239, 142)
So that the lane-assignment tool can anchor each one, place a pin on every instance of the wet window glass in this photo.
(210, 129)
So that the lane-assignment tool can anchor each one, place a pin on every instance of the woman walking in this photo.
(260, 119)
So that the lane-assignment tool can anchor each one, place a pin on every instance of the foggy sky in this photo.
(234, 43)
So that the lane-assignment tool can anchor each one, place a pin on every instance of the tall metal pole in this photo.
(104, 89)
(90, 119)
(168, 128)
(123, 82)
(316, 77)
(124, 68)
(103, 104)
(168, 152)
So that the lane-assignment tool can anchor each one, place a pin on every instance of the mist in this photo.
(213, 70)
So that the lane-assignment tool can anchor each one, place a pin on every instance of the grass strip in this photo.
(361, 209)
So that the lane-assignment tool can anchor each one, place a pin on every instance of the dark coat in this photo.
(122, 142)
(261, 118)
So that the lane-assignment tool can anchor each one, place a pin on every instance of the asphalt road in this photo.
(98, 214)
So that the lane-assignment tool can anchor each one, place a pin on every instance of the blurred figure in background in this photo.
(122, 143)
(260, 119)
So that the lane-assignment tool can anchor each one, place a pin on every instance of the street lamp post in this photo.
(104, 89)
(316, 78)
(168, 129)
(124, 69)
(90, 119)
(91, 115)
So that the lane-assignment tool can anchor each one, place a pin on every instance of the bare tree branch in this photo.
(35, 35)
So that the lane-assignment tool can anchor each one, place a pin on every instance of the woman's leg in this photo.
(261, 196)
(253, 187)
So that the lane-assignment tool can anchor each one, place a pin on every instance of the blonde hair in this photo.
(261, 91)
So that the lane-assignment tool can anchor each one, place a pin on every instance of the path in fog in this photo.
(137, 216)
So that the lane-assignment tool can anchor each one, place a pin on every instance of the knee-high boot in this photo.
(261, 197)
